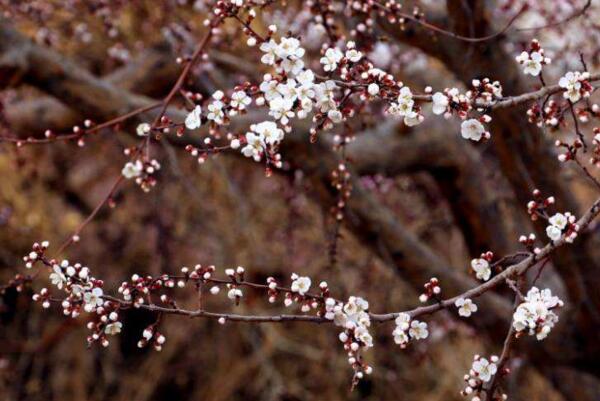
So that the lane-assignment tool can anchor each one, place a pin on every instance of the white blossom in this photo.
(270, 49)
(269, 87)
(281, 109)
(301, 285)
(143, 129)
(306, 77)
(194, 118)
(412, 118)
(113, 328)
(287, 54)
(239, 100)
(535, 314)
(289, 47)
(373, 89)
(331, 59)
(482, 269)
(472, 129)
(287, 90)
(271, 134)
(93, 299)
(132, 169)
(418, 330)
(57, 277)
(254, 146)
(353, 55)
(215, 112)
(335, 116)
(400, 337)
(362, 334)
(559, 220)
(352, 314)
(484, 369)
(557, 224)
(324, 96)
(403, 321)
(571, 82)
(292, 66)
(466, 307)
(440, 103)
(553, 232)
(532, 62)
(405, 99)
(234, 293)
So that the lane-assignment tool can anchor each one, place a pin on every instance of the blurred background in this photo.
(226, 212)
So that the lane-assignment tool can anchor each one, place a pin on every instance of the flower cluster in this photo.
(234, 291)
(292, 91)
(296, 94)
(550, 115)
(407, 329)
(353, 317)
(570, 149)
(37, 252)
(83, 293)
(151, 335)
(404, 106)
(262, 138)
(451, 101)
(575, 85)
(334, 59)
(432, 289)
(533, 60)
(285, 56)
(562, 223)
(535, 315)
(138, 288)
(143, 172)
(484, 92)
(221, 107)
(298, 293)
(481, 372)
(537, 207)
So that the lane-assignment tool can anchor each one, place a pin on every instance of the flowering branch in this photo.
(343, 84)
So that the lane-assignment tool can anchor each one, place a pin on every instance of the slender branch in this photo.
(535, 95)
(74, 237)
(576, 14)
(506, 349)
(445, 32)
(587, 172)
(515, 270)
(186, 70)
(577, 130)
